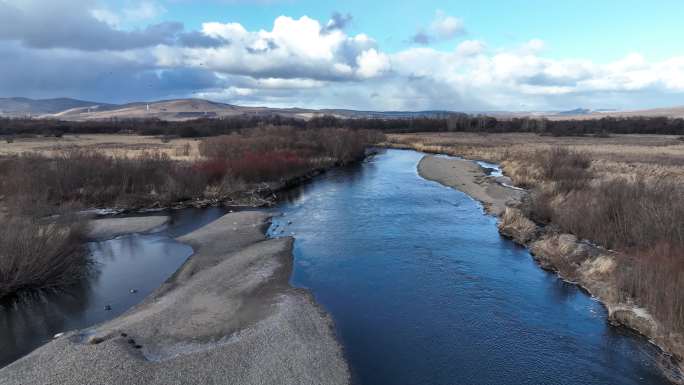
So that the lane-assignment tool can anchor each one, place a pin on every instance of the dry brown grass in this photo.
(133, 171)
(624, 192)
(517, 226)
(650, 156)
(118, 145)
(35, 254)
(655, 278)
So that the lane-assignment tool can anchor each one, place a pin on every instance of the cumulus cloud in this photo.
(293, 48)
(446, 27)
(371, 63)
(443, 27)
(47, 51)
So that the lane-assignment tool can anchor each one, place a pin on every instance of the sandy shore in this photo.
(469, 177)
(227, 316)
(107, 228)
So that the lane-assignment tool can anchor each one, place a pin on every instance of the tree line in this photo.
(452, 123)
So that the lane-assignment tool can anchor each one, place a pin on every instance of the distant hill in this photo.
(33, 107)
(580, 114)
(186, 109)
(576, 111)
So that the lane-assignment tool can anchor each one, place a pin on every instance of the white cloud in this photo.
(309, 63)
(470, 48)
(371, 63)
(136, 13)
(106, 16)
(146, 10)
(293, 48)
(446, 27)
(276, 83)
(534, 46)
(443, 27)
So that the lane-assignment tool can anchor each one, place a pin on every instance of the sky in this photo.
(516, 55)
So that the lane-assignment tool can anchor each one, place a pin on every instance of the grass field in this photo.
(659, 156)
(107, 144)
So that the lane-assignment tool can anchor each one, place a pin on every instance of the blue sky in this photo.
(601, 30)
(458, 55)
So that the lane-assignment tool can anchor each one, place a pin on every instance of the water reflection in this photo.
(125, 270)
(23, 318)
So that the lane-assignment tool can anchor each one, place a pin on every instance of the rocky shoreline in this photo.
(580, 262)
(228, 316)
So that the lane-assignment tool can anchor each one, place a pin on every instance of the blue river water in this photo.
(423, 289)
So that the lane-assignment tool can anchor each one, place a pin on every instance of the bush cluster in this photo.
(641, 219)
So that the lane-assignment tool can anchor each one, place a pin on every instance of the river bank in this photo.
(469, 177)
(577, 261)
(227, 315)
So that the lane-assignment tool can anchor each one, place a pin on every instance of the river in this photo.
(420, 285)
(424, 290)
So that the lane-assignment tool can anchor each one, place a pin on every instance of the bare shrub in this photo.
(645, 222)
(569, 170)
(624, 214)
(35, 254)
(36, 183)
(538, 205)
(654, 278)
(271, 153)
(643, 219)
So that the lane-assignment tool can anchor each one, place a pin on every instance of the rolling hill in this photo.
(18, 107)
(187, 109)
